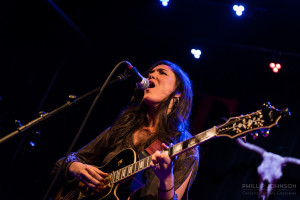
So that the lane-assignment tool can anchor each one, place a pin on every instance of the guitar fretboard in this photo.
(192, 142)
(130, 170)
(125, 172)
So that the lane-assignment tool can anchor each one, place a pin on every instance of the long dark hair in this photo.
(171, 124)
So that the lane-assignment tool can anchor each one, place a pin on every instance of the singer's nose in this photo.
(150, 76)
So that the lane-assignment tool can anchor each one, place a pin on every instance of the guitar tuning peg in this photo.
(18, 123)
(41, 113)
(266, 133)
(254, 135)
(266, 105)
(285, 112)
(72, 97)
(244, 138)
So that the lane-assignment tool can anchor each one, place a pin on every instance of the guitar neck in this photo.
(192, 142)
(143, 164)
(125, 172)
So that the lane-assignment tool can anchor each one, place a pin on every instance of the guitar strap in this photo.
(154, 146)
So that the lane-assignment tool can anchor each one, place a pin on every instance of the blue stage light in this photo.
(32, 143)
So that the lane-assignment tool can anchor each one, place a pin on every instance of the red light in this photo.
(272, 65)
(275, 67)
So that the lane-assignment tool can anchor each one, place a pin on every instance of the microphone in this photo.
(142, 83)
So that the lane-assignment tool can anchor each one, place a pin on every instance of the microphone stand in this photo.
(123, 76)
(73, 100)
(44, 116)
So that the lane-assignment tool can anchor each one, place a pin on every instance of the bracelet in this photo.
(161, 190)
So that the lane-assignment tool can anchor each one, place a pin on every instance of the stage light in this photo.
(196, 53)
(164, 2)
(32, 143)
(238, 9)
(278, 66)
(275, 67)
(272, 65)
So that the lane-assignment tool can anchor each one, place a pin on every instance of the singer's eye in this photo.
(162, 71)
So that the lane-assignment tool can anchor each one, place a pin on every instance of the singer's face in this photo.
(162, 83)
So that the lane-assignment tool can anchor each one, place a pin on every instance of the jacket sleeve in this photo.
(93, 154)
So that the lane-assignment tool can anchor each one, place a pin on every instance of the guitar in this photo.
(125, 170)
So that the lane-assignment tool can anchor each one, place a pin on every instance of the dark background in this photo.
(50, 49)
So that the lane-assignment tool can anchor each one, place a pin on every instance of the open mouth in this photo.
(151, 84)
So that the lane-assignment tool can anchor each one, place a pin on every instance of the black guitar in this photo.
(125, 170)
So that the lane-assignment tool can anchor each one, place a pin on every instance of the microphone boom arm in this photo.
(73, 100)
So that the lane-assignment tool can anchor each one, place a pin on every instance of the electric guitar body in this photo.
(123, 189)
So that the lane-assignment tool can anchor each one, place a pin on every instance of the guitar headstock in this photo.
(261, 120)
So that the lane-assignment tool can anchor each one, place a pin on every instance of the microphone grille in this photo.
(143, 85)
